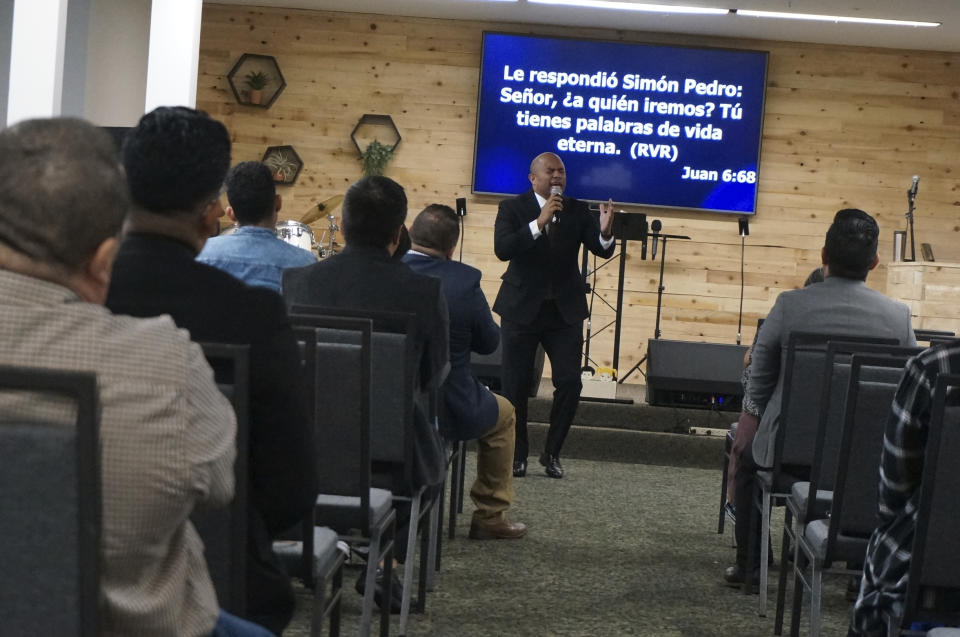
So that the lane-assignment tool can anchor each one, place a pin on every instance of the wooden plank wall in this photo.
(844, 127)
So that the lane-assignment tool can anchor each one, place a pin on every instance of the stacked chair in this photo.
(50, 498)
(834, 527)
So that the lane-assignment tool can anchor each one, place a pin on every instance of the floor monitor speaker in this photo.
(686, 374)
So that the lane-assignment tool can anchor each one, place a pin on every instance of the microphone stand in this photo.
(627, 226)
(911, 195)
(656, 331)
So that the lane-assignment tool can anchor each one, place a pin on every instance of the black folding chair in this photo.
(394, 391)
(224, 530)
(338, 367)
(933, 582)
(50, 499)
(839, 533)
(803, 371)
(831, 418)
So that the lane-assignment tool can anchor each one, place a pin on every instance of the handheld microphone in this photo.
(555, 190)
(655, 226)
(913, 188)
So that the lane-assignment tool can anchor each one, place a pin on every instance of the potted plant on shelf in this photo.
(375, 158)
(282, 165)
(256, 81)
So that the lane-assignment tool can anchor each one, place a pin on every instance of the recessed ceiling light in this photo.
(832, 18)
(633, 6)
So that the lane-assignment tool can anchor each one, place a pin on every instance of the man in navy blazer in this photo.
(542, 298)
(471, 410)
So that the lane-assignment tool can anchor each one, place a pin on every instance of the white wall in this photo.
(116, 77)
(75, 58)
(6, 33)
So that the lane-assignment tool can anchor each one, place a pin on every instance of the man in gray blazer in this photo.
(842, 304)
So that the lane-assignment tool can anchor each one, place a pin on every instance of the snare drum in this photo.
(296, 234)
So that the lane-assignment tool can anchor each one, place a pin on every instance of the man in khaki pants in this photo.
(472, 410)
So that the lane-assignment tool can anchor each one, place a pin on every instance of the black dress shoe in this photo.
(396, 590)
(519, 468)
(733, 576)
(552, 465)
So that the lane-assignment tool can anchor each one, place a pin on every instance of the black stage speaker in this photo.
(704, 375)
(487, 368)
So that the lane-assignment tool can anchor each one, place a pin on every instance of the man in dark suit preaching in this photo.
(542, 298)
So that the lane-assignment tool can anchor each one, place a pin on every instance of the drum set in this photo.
(301, 235)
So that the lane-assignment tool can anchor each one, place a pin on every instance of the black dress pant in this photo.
(562, 343)
(749, 518)
(747, 528)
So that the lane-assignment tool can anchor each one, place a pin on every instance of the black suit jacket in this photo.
(363, 278)
(472, 407)
(545, 263)
(155, 275)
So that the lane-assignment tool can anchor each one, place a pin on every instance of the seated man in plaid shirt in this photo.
(884, 584)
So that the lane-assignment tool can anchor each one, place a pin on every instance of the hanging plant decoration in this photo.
(284, 164)
(375, 158)
(256, 81)
(375, 154)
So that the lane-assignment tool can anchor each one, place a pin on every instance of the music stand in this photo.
(656, 330)
(627, 226)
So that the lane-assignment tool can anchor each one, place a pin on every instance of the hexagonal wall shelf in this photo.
(375, 128)
(284, 163)
(256, 80)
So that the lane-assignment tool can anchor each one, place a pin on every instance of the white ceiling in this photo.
(943, 38)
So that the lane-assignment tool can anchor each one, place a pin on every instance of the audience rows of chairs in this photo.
(838, 391)
(360, 370)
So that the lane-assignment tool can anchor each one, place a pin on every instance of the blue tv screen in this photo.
(648, 125)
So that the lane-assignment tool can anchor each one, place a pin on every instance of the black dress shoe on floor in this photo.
(552, 465)
(519, 468)
(396, 590)
(733, 576)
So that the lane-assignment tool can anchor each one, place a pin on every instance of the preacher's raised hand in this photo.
(606, 219)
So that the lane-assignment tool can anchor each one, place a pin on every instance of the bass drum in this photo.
(297, 234)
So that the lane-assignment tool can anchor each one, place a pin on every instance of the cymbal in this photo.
(321, 209)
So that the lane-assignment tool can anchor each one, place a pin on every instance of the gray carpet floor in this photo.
(612, 549)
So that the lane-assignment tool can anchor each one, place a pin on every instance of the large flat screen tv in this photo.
(667, 126)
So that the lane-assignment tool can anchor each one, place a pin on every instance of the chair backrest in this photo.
(836, 379)
(394, 386)
(338, 377)
(803, 377)
(873, 384)
(933, 563)
(50, 511)
(929, 336)
(224, 530)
